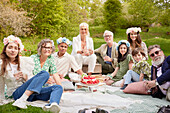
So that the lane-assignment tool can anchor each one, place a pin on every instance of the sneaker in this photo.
(125, 85)
(20, 104)
(168, 94)
(54, 107)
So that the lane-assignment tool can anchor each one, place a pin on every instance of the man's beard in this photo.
(159, 61)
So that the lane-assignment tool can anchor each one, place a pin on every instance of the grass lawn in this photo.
(97, 35)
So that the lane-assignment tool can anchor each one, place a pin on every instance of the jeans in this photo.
(131, 76)
(35, 84)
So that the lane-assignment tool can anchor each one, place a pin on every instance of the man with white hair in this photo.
(160, 73)
(83, 49)
(107, 54)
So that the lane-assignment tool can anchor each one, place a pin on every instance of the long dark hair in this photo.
(138, 41)
(6, 60)
(120, 57)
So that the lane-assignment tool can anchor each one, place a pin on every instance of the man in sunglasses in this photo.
(160, 73)
(107, 54)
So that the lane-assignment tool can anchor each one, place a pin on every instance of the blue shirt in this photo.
(109, 53)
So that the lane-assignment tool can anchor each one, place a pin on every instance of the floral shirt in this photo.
(48, 66)
(142, 67)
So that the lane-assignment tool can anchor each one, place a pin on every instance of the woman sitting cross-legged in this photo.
(13, 75)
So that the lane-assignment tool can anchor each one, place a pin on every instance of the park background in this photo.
(34, 20)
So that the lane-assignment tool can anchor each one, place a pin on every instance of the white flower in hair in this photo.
(59, 40)
(12, 38)
(64, 40)
(134, 29)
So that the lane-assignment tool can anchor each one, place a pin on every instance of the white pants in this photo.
(89, 60)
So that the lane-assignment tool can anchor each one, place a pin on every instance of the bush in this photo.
(13, 20)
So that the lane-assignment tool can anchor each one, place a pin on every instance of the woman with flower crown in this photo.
(135, 40)
(13, 74)
(83, 49)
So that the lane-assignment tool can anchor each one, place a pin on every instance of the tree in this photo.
(48, 16)
(142, 12)
(96, 12)
(73, 15)
(112, 12)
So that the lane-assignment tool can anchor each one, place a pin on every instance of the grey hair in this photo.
(152, 47)
(45, 41)
(107, 31)
(85, 24)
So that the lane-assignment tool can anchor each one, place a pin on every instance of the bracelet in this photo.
(110, 76)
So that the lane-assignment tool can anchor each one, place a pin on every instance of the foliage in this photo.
(74, 17)
(96, 13)
(164, 18)
(13, 20)
(48, 16)
(163, 4)
(142, 12)
(112, 12)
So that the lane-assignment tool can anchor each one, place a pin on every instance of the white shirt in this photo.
(64, 63)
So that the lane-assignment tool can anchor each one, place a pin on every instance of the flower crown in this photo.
(123, 42)
(12, 38)
(64, 40)
(135, 29)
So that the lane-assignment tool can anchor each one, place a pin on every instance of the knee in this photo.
(58, 87)
(129, 71)
(93, 57)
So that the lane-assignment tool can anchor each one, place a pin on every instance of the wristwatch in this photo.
(156, 82)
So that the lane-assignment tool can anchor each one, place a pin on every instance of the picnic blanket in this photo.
(114, 101)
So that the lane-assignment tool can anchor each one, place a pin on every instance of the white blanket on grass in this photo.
(72, 102)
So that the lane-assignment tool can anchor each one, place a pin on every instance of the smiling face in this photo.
(62, 48)
(46, 50)
(123, 49)
(138, 57)
(108, 37)
(83, 30)
(12, 50)
(133, 35)
(157, 56)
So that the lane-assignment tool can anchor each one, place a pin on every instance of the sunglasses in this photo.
(84, 29)
(155, 53)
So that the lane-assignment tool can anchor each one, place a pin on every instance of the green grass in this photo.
(97, 34)
(8, 108)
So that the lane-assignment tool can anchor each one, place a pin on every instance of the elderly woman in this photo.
(135, 40)
(83, 49)
(15, 70)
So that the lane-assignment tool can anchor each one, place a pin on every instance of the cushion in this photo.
(67, 85)
(136, 88)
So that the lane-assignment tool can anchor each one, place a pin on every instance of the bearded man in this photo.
(160, 73)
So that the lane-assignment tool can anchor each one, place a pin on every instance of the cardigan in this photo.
(103, 49)
(26, 67)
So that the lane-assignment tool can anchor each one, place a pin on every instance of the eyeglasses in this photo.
(83, 29)
(47, 47)
(107, 36)
(155, 53)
